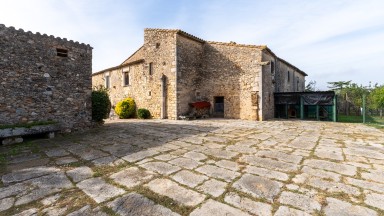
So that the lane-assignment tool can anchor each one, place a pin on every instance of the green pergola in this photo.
(320, 106)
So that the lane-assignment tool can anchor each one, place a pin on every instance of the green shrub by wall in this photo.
(101, 105)
(143, 113)
(125, 108)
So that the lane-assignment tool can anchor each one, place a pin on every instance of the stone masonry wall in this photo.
(269, 85)
(232, 71)
(290, 84)
(159, 50)
(189, 57)
(38, 85)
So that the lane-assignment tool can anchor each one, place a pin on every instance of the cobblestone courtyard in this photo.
(204, 167)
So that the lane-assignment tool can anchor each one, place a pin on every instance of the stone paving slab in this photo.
(285, 211)
(88, 211)
(228, 165)
(65, 160)
(258, 187)
(218, 172)
(99, 190)
(341, 208)
(80, 173)
(43, 186)
(25, 174)
(174, 191)
(300, 201)
(195, 156)
(366, 184)
(161, 167)
(136, 204)
(213, 187)
(139, 155)
(269, 163)
(267, 173)
(246, 204)
(332, 166)
(374, 199)
(132, 177)
(186, 163)
(189, 178)
(214, 208)
(280, 156)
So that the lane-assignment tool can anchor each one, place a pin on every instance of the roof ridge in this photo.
(236, 44)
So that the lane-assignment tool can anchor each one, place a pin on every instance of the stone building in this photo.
(44, 78)
(173, 69)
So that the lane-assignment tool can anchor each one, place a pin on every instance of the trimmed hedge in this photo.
(143, 113)
(125, 108)
(101, 105)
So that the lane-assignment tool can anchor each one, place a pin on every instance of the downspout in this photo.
(163, 80)
(177, 77)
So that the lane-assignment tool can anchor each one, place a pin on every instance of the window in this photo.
(61, 52)
(157, 45)
(288, 76)
(150, 68)
(126, 78)
(107, 82)
(298, 83)
(272, 67)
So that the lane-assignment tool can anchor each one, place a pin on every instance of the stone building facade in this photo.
(44, 78)
(173, 69)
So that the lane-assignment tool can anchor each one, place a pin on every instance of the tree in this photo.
(335, 86)
(377, 99)
(311, 86)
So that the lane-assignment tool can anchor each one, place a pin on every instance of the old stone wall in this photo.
(233, 72)
(268, 85)
(156, 58)
(44, 78)
(289, 79)
(189, 62)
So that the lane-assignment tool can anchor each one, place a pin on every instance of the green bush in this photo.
(101, 105)
(143, 113)
(125, 108)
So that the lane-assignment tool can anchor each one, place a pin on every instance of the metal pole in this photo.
(334, 108)
(301, 107)
(363, 108)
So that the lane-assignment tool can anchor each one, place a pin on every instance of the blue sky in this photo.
(331, 40)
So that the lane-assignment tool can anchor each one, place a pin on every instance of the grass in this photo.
(374, 121)
(359, 119)
(28, 125)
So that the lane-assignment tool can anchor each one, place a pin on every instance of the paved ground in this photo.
(207, 167)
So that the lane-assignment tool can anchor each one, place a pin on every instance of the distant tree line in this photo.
(350, 97)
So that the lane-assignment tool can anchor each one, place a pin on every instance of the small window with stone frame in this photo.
(126, 78)
(289, 76)
(107, 82)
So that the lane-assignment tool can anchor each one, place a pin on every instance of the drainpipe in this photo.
(163, 80)
(177, 77)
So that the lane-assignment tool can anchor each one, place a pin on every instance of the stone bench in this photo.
(15, 135)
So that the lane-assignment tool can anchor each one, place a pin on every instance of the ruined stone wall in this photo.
(232, 71)
(38, 85)
(189, 56)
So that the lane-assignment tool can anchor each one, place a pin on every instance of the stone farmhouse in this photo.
(174, 69)
(44, 78)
